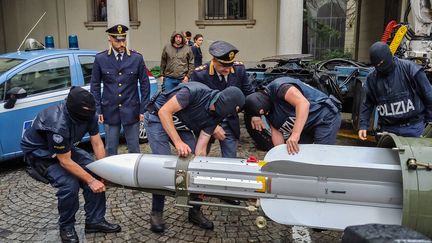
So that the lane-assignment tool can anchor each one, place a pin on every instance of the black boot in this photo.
(157, 223)
(69, 235)
(103, 227)
(197, 217)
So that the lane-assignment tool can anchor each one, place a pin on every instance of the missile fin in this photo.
(327, 215)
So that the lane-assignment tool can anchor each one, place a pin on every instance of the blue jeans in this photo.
(229, 144)
(160, 144)
(170, 83)
(112, 136)
(325, 130)
(68, 187)
(406, 130)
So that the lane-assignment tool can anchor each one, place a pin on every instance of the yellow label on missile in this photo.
(261, 163)
(397, 39)
(263, 181)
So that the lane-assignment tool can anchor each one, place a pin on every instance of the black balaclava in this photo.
(381, 52)
(80, 104)
(228, 100)
(257, 101)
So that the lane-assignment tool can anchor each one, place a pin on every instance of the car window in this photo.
(52, 74)
(2, 91)
(8, 63)
(86, 67)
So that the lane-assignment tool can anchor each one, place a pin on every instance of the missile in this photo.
(323, 186)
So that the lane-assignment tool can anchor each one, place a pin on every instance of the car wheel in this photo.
(261, 139)
(357, 100)
(142, 133)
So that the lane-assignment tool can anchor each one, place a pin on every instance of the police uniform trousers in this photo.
(228, 146)
(325, 130)
(406, 130)
(68, 187)
(112, 136)
(160, 144)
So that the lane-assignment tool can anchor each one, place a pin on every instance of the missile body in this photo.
(323, 186)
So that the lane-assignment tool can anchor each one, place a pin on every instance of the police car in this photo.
(34, 79)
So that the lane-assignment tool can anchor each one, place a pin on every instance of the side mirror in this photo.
(12, 95)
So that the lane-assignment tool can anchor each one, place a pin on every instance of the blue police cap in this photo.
(224, 52)
(118, 31)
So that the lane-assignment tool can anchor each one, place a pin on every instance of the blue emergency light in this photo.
(49, 41)
(73, 42)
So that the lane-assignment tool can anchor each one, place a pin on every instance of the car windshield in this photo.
(8, 63)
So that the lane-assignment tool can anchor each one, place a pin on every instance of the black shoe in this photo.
(103, 226)
(157, 223)
(197, 217)
(68, 235)
(230, 201)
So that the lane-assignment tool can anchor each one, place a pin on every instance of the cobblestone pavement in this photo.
(28, 213)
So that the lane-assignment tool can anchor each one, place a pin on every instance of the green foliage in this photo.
(338, 53)
(155, 71)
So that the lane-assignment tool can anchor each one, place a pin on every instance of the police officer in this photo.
(222, 72)
(119, 105)
(187, 115)
(400, 91)
(50, 149)
(297, 111)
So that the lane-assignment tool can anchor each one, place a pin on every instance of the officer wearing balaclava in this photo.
(187, 116)
(49, 147)
(297, 113)
(400, 91)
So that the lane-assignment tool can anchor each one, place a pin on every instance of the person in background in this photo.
(188, 36)
(176, 64)
(196, 50)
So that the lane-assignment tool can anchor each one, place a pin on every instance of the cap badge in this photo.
(119, 29)
(231, 55)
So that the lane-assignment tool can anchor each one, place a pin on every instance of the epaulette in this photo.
(202, 67)
(238, 63)
(101, 52)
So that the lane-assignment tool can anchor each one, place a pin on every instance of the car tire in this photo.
(357, 100)
(142, 134)
(261, 139)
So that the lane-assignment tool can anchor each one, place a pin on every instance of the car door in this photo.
(47, 82)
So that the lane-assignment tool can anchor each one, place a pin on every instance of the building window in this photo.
(225, 12)
(97, 14)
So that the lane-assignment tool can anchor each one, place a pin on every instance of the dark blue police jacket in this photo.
(53, 119)
(400, 98)
(282, 115)
(196, 116)
(207, 75)
(120, 101)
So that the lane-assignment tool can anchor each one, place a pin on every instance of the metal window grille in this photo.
(225, 9)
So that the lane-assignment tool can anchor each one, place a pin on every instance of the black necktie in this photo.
(119, 57)
(222, 79)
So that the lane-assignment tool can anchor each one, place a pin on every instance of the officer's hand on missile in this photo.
(257, 123)
(183, 150)
(100, 119)
(292, 143)
(362, 134)
(96, 186)
(219, 133)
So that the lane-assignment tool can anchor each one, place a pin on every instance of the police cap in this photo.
(224, 52)
(118, 31)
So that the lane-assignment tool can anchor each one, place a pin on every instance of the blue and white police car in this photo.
(34, 79)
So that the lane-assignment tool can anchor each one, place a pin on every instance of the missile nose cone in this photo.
(119, 169)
